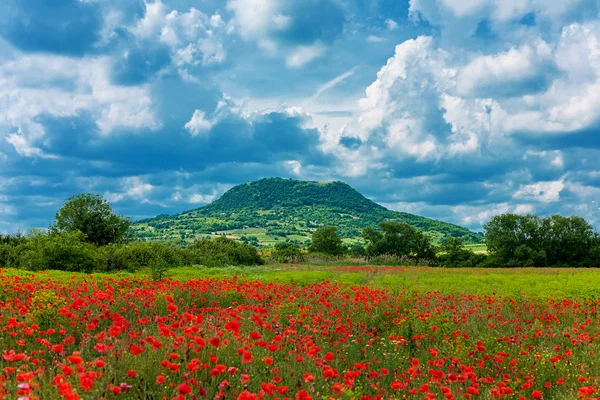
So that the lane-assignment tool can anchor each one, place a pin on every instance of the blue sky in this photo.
(452, 109)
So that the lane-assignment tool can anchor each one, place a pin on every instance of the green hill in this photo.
(270, 210)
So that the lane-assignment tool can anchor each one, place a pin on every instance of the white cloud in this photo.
(198, 123)
(200, 198)
(134, 187)
(33, 85)
(302, 55)
(491, 74)
(255, 17)
(544, 192)
(24, 148)
(375, 39)
(193, 37)
(391, 24)
(294, 166)
(453, 15)
(334, 82)
(483, 99)
(524, 209)
(470, 215)
(555, 157)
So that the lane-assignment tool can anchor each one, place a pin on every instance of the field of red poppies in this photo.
(92, 337)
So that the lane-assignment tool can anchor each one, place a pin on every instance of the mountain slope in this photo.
(275, 209)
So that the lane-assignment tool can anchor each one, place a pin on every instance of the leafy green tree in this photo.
(567, 239)
(527, 240)
(287, 253)
(92, 215)
(506, 232)
(398, 239)
(326, 240)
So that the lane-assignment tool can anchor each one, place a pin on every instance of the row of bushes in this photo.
(68, 251)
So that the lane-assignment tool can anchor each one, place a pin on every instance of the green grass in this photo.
(530, 282)
(477, 248)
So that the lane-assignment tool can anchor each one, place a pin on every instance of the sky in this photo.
(457, 110)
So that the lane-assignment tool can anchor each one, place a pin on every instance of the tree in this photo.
(92, 215)
(568, 239)
(454, 255)
(527, 240)
(287, 253)
(398, 239)
(514, 240)
(326, 240)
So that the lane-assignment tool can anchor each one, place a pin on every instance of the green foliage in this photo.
(136, 255)
(357, 250)
(326, 240)
(9, 249)
(528, 240)
(220, 251)
(291, 210)
(454, 255)
(92, 215)
(398, 239)
(287, 253)
(65, 251)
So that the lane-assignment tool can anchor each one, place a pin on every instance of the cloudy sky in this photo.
(452, 109)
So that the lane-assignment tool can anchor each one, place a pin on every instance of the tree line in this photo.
(88, 236)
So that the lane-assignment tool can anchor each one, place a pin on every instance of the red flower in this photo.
(184, 389)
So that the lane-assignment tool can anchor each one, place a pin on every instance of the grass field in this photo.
(301, 332)
(543, 283)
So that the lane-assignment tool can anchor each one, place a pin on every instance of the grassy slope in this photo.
(538, 283)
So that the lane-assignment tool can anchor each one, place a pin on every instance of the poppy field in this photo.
(235, 337)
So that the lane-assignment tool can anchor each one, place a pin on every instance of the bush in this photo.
(136, 255)
(326, 240)
(7, 255)
(357, 250)
(64, 251)
(287, 253)
(454, 255)
(220, 251)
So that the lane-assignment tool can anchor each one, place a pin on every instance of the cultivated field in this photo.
(301, 332)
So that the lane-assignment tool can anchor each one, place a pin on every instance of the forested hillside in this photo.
(274, 209)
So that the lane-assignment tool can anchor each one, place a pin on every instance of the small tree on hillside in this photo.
(92, 215)
(326, 240)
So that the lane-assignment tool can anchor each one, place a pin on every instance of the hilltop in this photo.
(275, 209)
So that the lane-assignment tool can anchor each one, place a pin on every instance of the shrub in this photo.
(326, 240)
(61, 251)
(454, 255)
(357, 250)
(220, 251)
(136, 255)
(287, 253)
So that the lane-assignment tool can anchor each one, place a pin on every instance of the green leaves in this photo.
(398, 239)
(326, 240)
(92, 215)
(528, 240)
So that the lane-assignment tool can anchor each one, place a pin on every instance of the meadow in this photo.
(301, 332)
